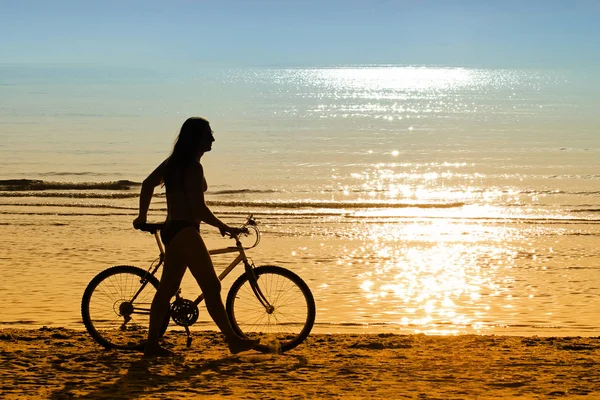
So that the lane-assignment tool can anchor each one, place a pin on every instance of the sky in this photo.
(486, 33)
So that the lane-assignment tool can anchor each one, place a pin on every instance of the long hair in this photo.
(185, 150)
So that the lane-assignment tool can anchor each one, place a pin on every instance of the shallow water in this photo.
(440, 200)
(436, 275)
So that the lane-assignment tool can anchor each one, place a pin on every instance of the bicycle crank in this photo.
(185, 313)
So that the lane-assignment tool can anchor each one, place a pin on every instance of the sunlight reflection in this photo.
(408, 78)
(425, 276)
(423, 183)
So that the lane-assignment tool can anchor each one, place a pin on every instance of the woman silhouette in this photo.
(183, 177)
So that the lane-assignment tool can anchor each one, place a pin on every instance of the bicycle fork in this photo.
(253, 280)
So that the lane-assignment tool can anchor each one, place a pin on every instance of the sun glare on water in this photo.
(426, 276)
(431, 265)
(394, 78)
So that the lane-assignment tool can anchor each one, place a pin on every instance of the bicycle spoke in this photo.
(289, 312)
(109, 296)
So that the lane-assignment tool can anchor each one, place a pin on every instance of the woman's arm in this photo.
(152, 181)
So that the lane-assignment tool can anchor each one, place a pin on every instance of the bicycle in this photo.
(267, 302)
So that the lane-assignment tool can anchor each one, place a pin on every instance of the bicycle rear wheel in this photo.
(111, 314)
(287, 323)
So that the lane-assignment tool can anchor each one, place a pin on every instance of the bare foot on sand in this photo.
(242, 345)
(157, 352)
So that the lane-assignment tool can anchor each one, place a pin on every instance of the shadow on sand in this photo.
(174, 375)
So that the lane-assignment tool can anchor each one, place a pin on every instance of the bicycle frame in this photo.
(241, 258)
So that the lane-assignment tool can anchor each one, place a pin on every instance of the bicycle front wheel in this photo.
(116, 307)
(287, 318)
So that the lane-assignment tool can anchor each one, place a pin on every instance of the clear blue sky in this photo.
(302, 32)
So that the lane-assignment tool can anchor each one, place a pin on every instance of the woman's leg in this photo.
(170, 281)
(190, 245)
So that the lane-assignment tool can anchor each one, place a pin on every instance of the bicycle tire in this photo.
(292, 319)
(101, 302)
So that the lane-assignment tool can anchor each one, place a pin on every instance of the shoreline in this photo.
(201, 327)
(58, 363)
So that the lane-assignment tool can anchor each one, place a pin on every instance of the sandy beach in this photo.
(56, 363)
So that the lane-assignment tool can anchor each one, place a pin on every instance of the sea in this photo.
(411, 199)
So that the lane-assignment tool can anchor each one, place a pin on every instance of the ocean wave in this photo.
(71, 195)
(567, 192)
(293, 216)
(67, 214)
(296, 205)
(330, 204)
(16, 185)
(243, 191)
(83, 173)
(39, 185)
(76, 205)
(523, 219)
(13, 208)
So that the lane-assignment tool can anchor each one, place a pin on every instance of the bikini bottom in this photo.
(172, 228)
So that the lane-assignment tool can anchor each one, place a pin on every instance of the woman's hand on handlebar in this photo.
(139, 221)
(231, 231)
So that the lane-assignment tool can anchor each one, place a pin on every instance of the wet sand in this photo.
(56, 363)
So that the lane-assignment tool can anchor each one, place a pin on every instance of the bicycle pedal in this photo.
(188, 342)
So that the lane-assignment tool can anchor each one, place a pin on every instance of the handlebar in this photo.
(250, 224)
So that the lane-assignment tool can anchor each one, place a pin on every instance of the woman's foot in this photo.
(157, 351)
(238, 345)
